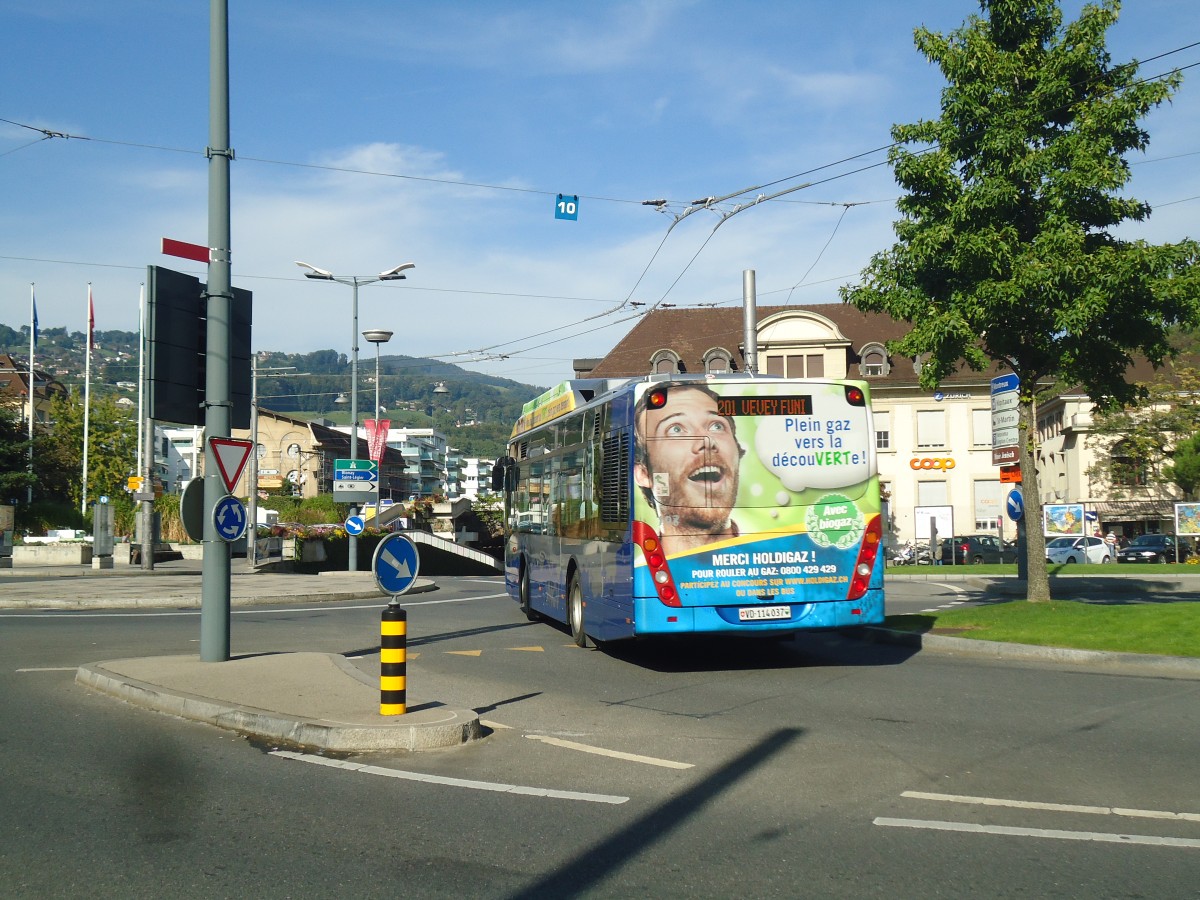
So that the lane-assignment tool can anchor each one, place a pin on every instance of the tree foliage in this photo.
(14, 456)
(1156, 440)
(112, 451)
(1006, 253)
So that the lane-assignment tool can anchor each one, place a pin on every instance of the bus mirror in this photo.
(498, 475)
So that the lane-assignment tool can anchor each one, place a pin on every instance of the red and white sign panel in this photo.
(231, 456)
(377, 433)
(185, 250)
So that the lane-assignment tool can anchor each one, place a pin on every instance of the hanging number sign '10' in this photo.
(567, 207)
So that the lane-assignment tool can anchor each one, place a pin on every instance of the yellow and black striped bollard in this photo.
(393, 642)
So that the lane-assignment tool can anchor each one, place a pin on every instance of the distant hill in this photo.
(474, 410)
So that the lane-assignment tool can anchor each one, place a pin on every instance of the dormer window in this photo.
(664, 362)
(874, 361)
(718, 361)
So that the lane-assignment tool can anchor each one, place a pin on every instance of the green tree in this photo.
(112, 451)
(1006, 254)
(14, 456)
(1154, 441)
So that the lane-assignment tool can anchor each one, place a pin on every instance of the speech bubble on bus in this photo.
(814, 451)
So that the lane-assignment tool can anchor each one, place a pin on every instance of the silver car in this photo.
(1078, 549)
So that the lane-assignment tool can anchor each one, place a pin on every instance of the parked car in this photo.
(1154, 548)
(976, 548)
(1077, 550)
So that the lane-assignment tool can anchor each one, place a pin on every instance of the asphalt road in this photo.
(823, 767)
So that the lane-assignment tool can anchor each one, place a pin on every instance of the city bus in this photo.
(694, 504)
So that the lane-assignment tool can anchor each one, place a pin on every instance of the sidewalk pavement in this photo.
(319, 701)
(322, 700)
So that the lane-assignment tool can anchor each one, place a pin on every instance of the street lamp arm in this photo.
(315, 273)
(391, 274)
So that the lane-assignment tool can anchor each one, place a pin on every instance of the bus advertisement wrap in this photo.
(755, 493)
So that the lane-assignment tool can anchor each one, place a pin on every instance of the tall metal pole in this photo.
(214, 596)
(750, 321)
(33, 330)
(376, 416)
(352, 565)
(252, 477)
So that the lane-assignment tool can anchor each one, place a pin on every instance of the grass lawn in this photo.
(1166, 628)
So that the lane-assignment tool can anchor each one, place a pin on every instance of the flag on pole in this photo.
(91, 320)
(35, 321)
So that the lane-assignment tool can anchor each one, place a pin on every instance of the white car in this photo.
(1073, 549)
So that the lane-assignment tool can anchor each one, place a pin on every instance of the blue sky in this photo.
(372, 134)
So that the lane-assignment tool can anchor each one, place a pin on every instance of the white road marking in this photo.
(1049, 833)
(266, 610)
(1056, 807)
(615, 754)
(497, 787)
(52, 669)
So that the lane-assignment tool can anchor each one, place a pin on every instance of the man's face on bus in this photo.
(693, 460)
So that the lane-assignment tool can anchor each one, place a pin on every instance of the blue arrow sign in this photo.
(1015, 505)
(396, 564)
(355, 525)
(229, 515)
(354, 475)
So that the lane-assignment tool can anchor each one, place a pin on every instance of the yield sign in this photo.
(231, 456)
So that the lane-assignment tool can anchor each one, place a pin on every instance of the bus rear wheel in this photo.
(575, 612)
(526, 607)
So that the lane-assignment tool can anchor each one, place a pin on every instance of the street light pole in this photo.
(394, 274)
(252, 477)
(378, 336)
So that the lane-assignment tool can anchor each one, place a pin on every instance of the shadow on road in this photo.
(581, 874)
(705, 653)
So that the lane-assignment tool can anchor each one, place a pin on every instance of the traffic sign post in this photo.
(1014, 505)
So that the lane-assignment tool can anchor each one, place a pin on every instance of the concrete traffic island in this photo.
(313, 700)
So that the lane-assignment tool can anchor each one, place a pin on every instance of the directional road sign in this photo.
(396, 564)
(355, 480)
(229, 515)
(355, 525)
(1015, 505)
(353, 475)
(354, 465)
(1003, 383)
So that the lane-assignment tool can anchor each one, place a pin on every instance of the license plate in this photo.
(754, 613)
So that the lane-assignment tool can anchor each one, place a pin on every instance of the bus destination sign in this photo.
(792, 405)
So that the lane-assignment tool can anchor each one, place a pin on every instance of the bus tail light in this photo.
(646, 538)
(867, 553)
